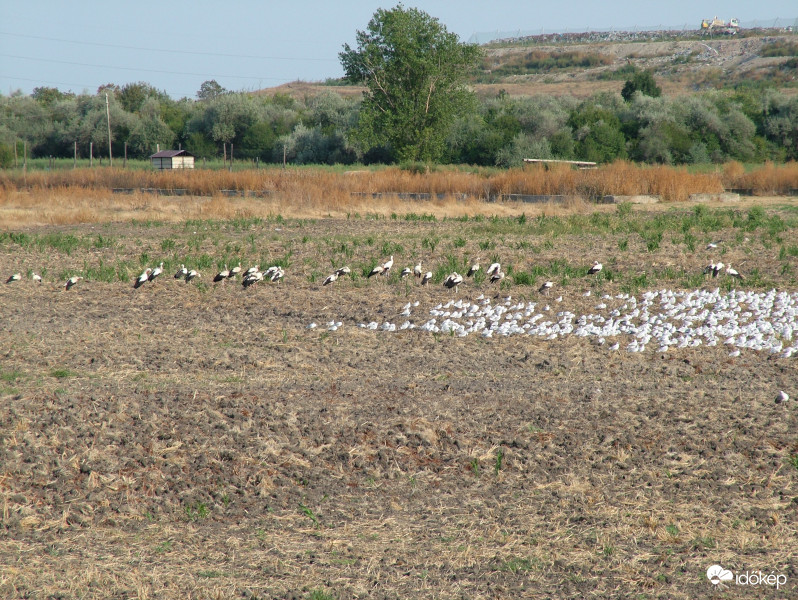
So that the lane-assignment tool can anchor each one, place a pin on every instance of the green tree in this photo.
(210, 90)
(643, 82)
(415, 72)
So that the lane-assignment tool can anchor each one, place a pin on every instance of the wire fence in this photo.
(489, 36)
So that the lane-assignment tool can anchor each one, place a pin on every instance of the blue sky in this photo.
(247, 45)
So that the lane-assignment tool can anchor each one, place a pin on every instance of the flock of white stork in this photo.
(276, 273)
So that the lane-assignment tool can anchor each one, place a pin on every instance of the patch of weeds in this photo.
(672, 530)
(474, 465)
(499, 459)
(793, 460)
(308, 512)
(460, 242)
(516, 565)
(703, 542)
(623, 245)
(209, 574)
(487, 245)
(196, 511)
(103, 242)
(62, 373)
(523, 278)
(624, 210)
(167, 244)
(163, 547)
(320, 595)
(429, 243)
(11, 376)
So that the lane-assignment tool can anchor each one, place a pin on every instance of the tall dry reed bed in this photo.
(313, 185)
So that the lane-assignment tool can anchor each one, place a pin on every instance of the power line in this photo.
(189, 52)
(67, 62)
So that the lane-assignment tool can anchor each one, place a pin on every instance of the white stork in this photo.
(252, 270)
(71, 282)
(710, 268)
(595, 269)
(142, 279)
(343, 271)
(713, 245)
(37, 278)
(733, 273)
(235, 270)
(278, 274)
(192, 274)
(406, 271)
(494, 268)
(717, 269)
(222, 275)
(181, 272)
(376, 271)
(14, 277)
(453, 280)
(496, 276)
(252, 278)
(473, 269)
(426, 278)
(156, 271)
(417, 270)
(331, 278)
(544, 289)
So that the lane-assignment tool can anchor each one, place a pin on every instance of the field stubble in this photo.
(197, 440)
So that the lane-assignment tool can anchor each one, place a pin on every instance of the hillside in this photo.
(553, 65)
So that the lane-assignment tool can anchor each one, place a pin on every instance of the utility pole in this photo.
(108, 116)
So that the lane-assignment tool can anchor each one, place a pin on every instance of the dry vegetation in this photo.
(84, 195)
(198, 441)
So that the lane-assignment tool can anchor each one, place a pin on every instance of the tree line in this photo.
(417, 106)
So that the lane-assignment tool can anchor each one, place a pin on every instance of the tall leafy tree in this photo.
(415, 73)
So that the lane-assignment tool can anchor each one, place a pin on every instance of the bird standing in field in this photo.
(595, 269)
(222, 275)
(497, 276)
(142, 279)
(417, 270)
(251, 270)
(386, 266)
(156, 271)
(235, 270)
(36, 278)
(14, 277)
(181, 272)
(453, 280)
(376, 271)
(192, 274)
(733, 273)
(277, 274)
(71, 282)
(472, 270)
(406, 271)
(544, 289)
(343, 271)
(426, 278)
(331, 278)
(252, 278)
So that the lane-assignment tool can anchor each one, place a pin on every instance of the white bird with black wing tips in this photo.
(156, 271)
(595, 269)
(417, 270)
(453, 280)
(14, 277)
(733, 273)
(181, 272)
(142, 279)
(427, 276)
(70, 283)
(222, 275)
(192, 274)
